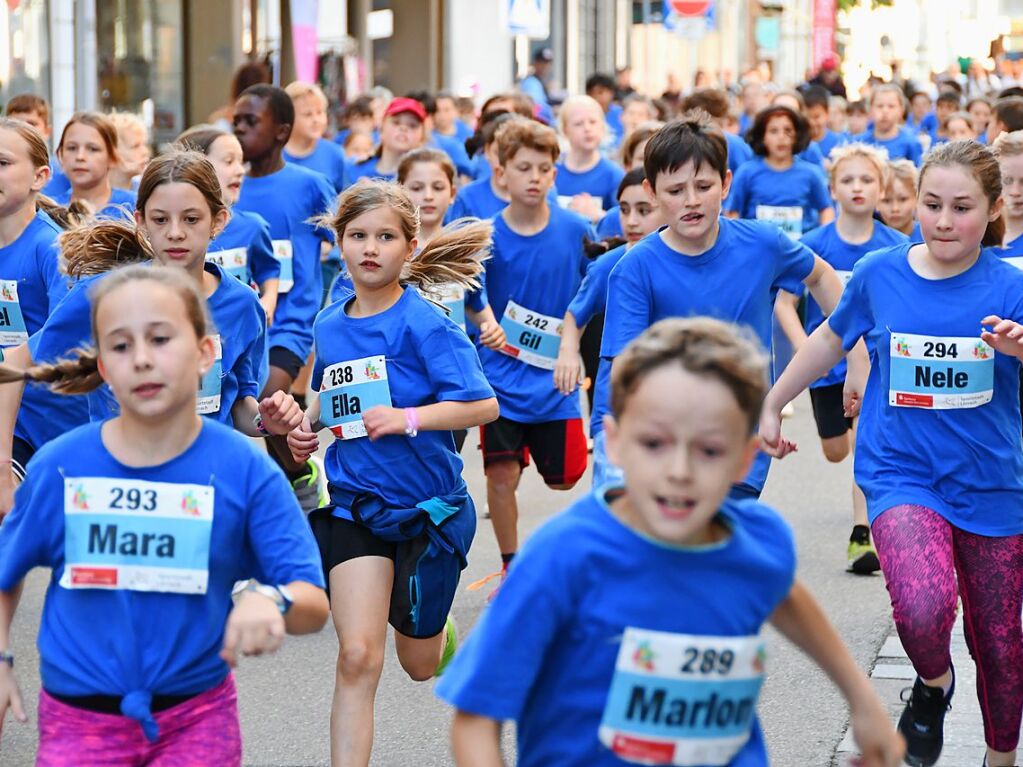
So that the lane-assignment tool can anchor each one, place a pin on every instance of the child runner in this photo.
(703, 264)
(288, 197)
(484, 198)
(979, 109)
(147, 521)
(817, 99)
(537, 265)
(714, 101)
(921, 118)
(306, 145)
(132, 150)
(358, 146)
(357, 117)
(35, 110)
(401, 131)
(956, 127)
(897, 205)
(446, 120)
(641, 215)
(1008, 148)
(587, 680)
(939, 452)
(857, 176)
(776, 186)
(586, 181)
(838, 116)
(887, 106)
(794, 100)
(243, 248)
(858, 118)
(88, 152)
(395, 378)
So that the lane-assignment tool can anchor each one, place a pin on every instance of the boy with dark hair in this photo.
(601, 87)
(818, 99)
(1006, 117)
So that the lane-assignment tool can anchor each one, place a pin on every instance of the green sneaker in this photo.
(450, 646)
(311, 489)
(863, 558)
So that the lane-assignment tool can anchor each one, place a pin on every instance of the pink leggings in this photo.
(201, 732)
(923, 556)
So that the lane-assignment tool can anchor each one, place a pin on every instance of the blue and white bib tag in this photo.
(209, 385)
(532, 337)
(940, 372)
(12, 324)
(284, 254)
(348, 390)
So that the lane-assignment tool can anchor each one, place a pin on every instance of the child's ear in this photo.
(611, 438)
(208, 354)
(726, 184)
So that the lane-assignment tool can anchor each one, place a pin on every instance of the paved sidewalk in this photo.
(964, 728)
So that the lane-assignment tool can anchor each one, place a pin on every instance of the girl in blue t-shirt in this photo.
(939, 454)
(147, 521)
(586, 181)
(640, 608)
(394, 377)
(777, 186)
(88, 152)
(1008, 148)
(244, 247)
(857, 175)
(897, 205)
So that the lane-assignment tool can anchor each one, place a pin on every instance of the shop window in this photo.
(24, 49)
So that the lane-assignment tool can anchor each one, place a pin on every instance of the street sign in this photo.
(691, 19)
(689, 7)
(531, 18)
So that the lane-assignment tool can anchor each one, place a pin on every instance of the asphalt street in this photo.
(285, 700)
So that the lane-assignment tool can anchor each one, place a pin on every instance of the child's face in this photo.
(359, 146)
(857, 186)
(361, 124)
(430, 191)
(133, 151)
(445, 116)
(584, 128)
(898, 205)
(634, 114)
(681, 442)
(886, 109)
(779, 137)
(528, 176)
(602, 95)
(1012, 186)
(179, 225)
(84, 157)
(310, 118)
(959, 129)
(980, 115)
(35, 120)
(637, 155)
(858, 122)
(255, 128)
(226, 157)
(817, 115)
(943, 109)
(639, 212)
(401, 133)
(19, 179)
(148, 352)
(837, 118)
(920, 105)
(375, 249)
(690, 200)
(953, 213)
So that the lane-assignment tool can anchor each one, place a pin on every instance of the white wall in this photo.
(477, 50)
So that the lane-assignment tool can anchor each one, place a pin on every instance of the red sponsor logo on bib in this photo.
(94, 576)
(637, 749)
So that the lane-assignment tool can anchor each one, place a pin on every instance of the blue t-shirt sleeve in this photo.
(852, 318)
(628, 309)
(249, 367)
(322, 202)
(453, 365)
(262, 263)
(29, 537)
(819, 193)
(590, 297)
(48, 264)
(795, 261)
(611, 195)
(68, 326)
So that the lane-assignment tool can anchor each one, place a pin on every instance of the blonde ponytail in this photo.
(99, 246)
(455, 255)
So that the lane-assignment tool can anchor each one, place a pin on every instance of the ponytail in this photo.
(78, 374)
(455, 255)
(76, 213)
(99, 246)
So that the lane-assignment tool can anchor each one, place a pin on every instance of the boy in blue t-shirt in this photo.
(817, 101)
(644, 604)
(306, 145)
(887, 106)
(535, 270)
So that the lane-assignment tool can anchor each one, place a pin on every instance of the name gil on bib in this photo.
(788, 217)
(209, 385)
(234, 261)
(532, 337)
(348, 390)
(940, 372)
(284, 254)
(136, 535)
(12, 324)
(682, 699)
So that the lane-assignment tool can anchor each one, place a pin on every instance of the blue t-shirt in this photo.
(739, 152)
(59, 183)
(611, 224)
(541, 273)
(812, 154)
(367, 169)
(454, 149)
(427, 359)
(1012, 252)
(120, 205)
(903, 146)
(964, 458)
(545, 655)
(245, 249)
(736, 280)
(929, 123)
(115, 641)
(827, 243)
(31, 285)
(288, 199)
(601, 181)
(792, 198)
(830, 140)
(478, 199)
(327, 159)
(917, 235)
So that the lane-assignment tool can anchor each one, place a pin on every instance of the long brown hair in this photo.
(181, 166)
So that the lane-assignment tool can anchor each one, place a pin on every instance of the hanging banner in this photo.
(823, 31)
(304, 38)
(531, 18)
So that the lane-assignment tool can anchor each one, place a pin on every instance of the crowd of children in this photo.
(432, 270)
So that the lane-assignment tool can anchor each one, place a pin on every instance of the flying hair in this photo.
(99, 246)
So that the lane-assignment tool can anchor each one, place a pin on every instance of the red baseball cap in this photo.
(401, 105)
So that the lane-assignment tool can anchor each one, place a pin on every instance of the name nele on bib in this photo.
(940, 372)
(136, 535)
(682, 699)
(348, 390)
(532, 337)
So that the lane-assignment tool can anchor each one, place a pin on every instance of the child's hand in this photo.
(302, 441)
(771, 441)
(381, 421)
(255, 626)
(1005, 336)
(587, 206)
(280, 413)
(10, 696)
(568, 371)
(492, 335)
(269, 304)
(879, 743)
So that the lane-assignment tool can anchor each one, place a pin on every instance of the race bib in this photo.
(348, 390)
(788, 217)
(285, 256)
(235, 261)
(452, 298)
(682, 699)
(209, 384)
(940, 373)
(532, 337)
(136, 535)
(12, 324)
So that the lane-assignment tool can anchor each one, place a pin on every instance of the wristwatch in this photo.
(7, 657)
(281, 595)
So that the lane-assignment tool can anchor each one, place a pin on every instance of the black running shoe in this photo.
(922, 722)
